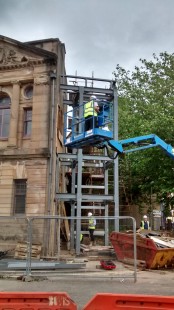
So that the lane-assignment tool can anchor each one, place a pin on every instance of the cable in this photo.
(108, 153)
(105, 145)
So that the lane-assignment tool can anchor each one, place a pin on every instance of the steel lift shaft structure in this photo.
(76, 90)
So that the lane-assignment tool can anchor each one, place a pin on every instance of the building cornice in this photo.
(29, 63)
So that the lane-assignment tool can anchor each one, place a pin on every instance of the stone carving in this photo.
(10, 56)
(42, 79)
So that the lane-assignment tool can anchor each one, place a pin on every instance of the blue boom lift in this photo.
(76, 137)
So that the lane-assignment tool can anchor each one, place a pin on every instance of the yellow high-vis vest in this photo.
(81, 237)
(142, 224)
(91, 223)
(89, 109)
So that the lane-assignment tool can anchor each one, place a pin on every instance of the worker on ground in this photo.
(81, 238)
(91, 228)
(91, 110)
(144, 223)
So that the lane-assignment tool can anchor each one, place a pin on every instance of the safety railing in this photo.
(74, 123)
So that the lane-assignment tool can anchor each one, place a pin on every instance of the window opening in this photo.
(5, 102)
(20, 187)
(27, 122)
(28, 92)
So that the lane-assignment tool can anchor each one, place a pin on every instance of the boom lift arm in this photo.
(138, 143)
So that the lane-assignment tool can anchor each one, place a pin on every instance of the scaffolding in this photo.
(83, 168)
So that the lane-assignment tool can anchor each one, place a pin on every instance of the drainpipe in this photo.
(51, 140)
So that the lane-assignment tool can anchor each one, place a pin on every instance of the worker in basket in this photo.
(91, 110)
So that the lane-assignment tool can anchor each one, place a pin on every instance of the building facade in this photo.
(31, 116)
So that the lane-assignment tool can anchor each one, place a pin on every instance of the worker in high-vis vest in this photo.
(91, 228)
(81, 238)
(91, 110)
(145, 223)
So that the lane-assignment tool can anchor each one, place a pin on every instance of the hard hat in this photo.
(89, 214)
(145, 217)
(93, 97)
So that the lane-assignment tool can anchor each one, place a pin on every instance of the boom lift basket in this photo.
(75, 135)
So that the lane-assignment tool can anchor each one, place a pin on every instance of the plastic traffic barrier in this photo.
(147, 250)
(132, 302)
(36, 301)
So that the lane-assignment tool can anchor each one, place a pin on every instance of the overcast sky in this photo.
(98, 34)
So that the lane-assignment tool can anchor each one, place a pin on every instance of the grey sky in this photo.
(98, 34)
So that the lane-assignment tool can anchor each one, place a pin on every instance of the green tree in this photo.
(146, 105)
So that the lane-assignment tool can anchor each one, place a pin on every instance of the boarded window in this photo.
(20, 186)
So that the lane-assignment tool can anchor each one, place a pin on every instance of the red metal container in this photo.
(147, 250)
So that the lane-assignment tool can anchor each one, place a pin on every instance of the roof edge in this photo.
(26, 45)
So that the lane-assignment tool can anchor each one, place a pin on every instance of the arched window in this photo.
(5, 102)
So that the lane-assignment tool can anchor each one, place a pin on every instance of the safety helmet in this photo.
(89, 214)
(145, 217)
(93, 97)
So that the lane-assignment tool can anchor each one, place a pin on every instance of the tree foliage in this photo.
(146, 105)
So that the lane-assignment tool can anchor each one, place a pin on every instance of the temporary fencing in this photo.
(30, 236)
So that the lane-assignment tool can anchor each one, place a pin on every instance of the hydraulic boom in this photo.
(139, 143)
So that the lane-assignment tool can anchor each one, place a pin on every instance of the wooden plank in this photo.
(66, 224)
(22, 249)
(24, 256)
(130, 261)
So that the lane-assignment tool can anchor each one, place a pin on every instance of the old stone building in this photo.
(31, 116)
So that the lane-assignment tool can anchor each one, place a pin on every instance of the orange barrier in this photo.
(132, 302)
(36, 301)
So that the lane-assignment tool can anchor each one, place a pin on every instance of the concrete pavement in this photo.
(82, 286)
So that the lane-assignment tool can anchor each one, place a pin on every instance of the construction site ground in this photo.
(82, 284)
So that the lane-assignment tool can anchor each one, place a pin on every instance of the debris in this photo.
(107, 264)
(139, 263)
(161, 242)
(3, 253)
